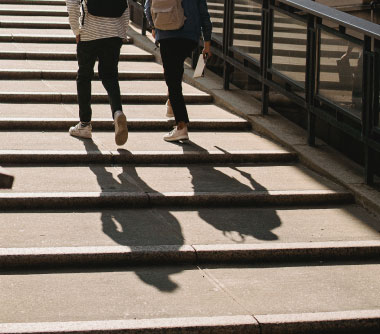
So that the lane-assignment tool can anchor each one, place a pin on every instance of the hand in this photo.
(153, 33)
(77, 38)
(206, 50)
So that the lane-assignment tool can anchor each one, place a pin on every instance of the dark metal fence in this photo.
(324, 60)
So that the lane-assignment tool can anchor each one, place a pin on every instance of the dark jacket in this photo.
(197, 22)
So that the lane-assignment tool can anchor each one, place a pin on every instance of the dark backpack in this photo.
(106, 8)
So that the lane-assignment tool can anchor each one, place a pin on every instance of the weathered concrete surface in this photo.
(58, 86)
(174, 226)
(201, 142)
(132, 111)
(135, 293)
(60, 47)
(239, 324)
(57, 65)
(197, 178)
(301, 289)
(151, 292)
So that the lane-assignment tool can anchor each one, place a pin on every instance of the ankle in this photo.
(181, 125)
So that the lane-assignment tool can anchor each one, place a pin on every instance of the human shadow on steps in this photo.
(236, 224)
(134, 226)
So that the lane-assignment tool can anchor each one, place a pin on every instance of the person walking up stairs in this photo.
(99, 31)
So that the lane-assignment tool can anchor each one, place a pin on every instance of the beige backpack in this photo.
(167, 14)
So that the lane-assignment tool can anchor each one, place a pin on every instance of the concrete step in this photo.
(122, 199)
(35, 2)
(44, 49)
(56, 56)
(203, 299)
(33, 25)
(229, 226)
(37, 32)
(143, 147)
(50, 113)
(25, 74)
(102, 256)
(32, 10)
(71, 65)
(138, 186)
(29, 37)
(134, 124)
(11, 69)
(51, 97)
(53, 91)
(322, 322)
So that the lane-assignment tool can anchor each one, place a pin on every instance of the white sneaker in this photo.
(169, 110)
(81, 131)
(176, 135)
(121, 129)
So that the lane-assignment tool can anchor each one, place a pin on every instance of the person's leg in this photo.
(173, 55)
(86, 60)
(109, 53)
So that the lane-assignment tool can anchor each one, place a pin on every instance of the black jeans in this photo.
(107, 51)
(173, 54)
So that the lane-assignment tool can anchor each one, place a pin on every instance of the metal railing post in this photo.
(266, 51)
(227, 40)
(144, 20)
(367, 108)
(311, 65)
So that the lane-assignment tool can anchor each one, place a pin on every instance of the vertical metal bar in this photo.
(144, 20)
(227, 40)
(367, 108)
(311, 58)
(266, 52)
(376, 104)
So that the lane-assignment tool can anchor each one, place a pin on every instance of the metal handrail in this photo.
(314, 16)
(333, 15)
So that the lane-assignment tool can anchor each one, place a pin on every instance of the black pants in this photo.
(173, 54)
(107, 51)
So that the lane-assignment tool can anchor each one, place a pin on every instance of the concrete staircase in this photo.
(225, 234)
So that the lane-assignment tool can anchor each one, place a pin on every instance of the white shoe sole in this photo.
(177, 138)
(80, 135)
(121, 130)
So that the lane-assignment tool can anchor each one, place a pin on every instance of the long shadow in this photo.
(239, 224)
(135, 227)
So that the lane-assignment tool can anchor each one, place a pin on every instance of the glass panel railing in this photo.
(289, 47)
(341, 72)
(247, 28)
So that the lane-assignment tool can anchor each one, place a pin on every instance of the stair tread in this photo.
(177, 291)
(69, 86)
(201, 142)
(146, 111)
(32, 19)
(60, 65)
(59, 47)
(175, 226)
(243, 179)
(33, 7)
